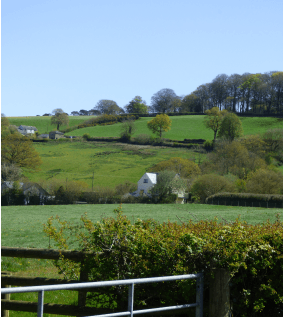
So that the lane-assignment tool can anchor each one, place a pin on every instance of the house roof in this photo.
(24, 186)
(55, 132)
(27, 127)
(152, 177)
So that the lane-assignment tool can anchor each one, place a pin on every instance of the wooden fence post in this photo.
(82, 293)
(5, 313)
(219, 294)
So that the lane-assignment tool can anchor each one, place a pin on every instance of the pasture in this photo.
(22, 226)
(109, 164)
(183, 127)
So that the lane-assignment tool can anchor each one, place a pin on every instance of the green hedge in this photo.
(120, 249)
(246, 199)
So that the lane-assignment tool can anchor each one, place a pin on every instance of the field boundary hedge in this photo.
(246, 199)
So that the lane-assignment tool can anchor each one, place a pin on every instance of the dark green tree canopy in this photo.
(108, 107)
(137, 105)
(162, 101)
(59, 119)
(231, 127)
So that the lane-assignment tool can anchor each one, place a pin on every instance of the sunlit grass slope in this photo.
(111, 164)
(183, 127)
(43, 124)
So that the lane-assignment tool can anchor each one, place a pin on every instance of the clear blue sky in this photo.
(69, 54)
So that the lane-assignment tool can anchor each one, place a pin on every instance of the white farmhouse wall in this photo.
(151, 179)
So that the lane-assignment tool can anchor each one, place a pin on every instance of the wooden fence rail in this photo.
(219, 304)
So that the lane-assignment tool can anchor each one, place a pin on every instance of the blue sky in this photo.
(69, 54)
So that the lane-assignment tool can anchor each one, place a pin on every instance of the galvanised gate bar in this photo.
(131, 282)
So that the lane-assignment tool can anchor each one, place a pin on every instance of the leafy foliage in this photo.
(127, 129)
(184, 167)
(19, 150)
(213, 119)
(118, 249)
(162, 101)
(231, 127)
(210, 184)
(161, 123)
(59, 119)
(137, 105)
(108, 107)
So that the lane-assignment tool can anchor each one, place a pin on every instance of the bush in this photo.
(86, 136)
(208, 145)
(119, 249)
(143, 139)
(210, 184)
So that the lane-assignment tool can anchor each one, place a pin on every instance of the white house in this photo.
(148, 180)
(26, 129)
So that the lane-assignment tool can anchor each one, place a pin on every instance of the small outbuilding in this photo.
(56, 135)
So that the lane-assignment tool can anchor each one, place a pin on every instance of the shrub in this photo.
(210, 184)
(119, 249)
(143, 139)
(86, 136)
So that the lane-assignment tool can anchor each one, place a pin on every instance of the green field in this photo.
(110, 164)
(183, 127)
(22, 226)
(43, 124)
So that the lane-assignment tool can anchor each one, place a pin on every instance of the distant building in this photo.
(29, 189)
(148, 181)
(56, 135)
(26, 129)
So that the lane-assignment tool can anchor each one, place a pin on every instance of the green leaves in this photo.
(120, 249)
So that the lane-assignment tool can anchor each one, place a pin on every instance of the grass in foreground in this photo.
(22, 226)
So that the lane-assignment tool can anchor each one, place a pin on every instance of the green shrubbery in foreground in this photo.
(120, 250)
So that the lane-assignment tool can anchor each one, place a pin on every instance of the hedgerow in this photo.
(118, 249)
(246, 199)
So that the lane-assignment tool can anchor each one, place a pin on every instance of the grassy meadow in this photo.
(109, 163)
(183, 127)
(22, 226)
(43, 124)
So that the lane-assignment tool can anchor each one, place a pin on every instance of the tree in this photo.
(127, 129)
(231, 127)
(105, 106)
(274, 139)
(213, 119)
(60, 119)
(10, 172)
(184, 167)
(83, 112)
(17, 149)
(4, 125)
(210, 184)
(162, 101)
(161, 123)
(57, 110)
(265, 181)
(234, 158)
(75, 113)
(137, 105)
(189, 103)
(168, 183)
